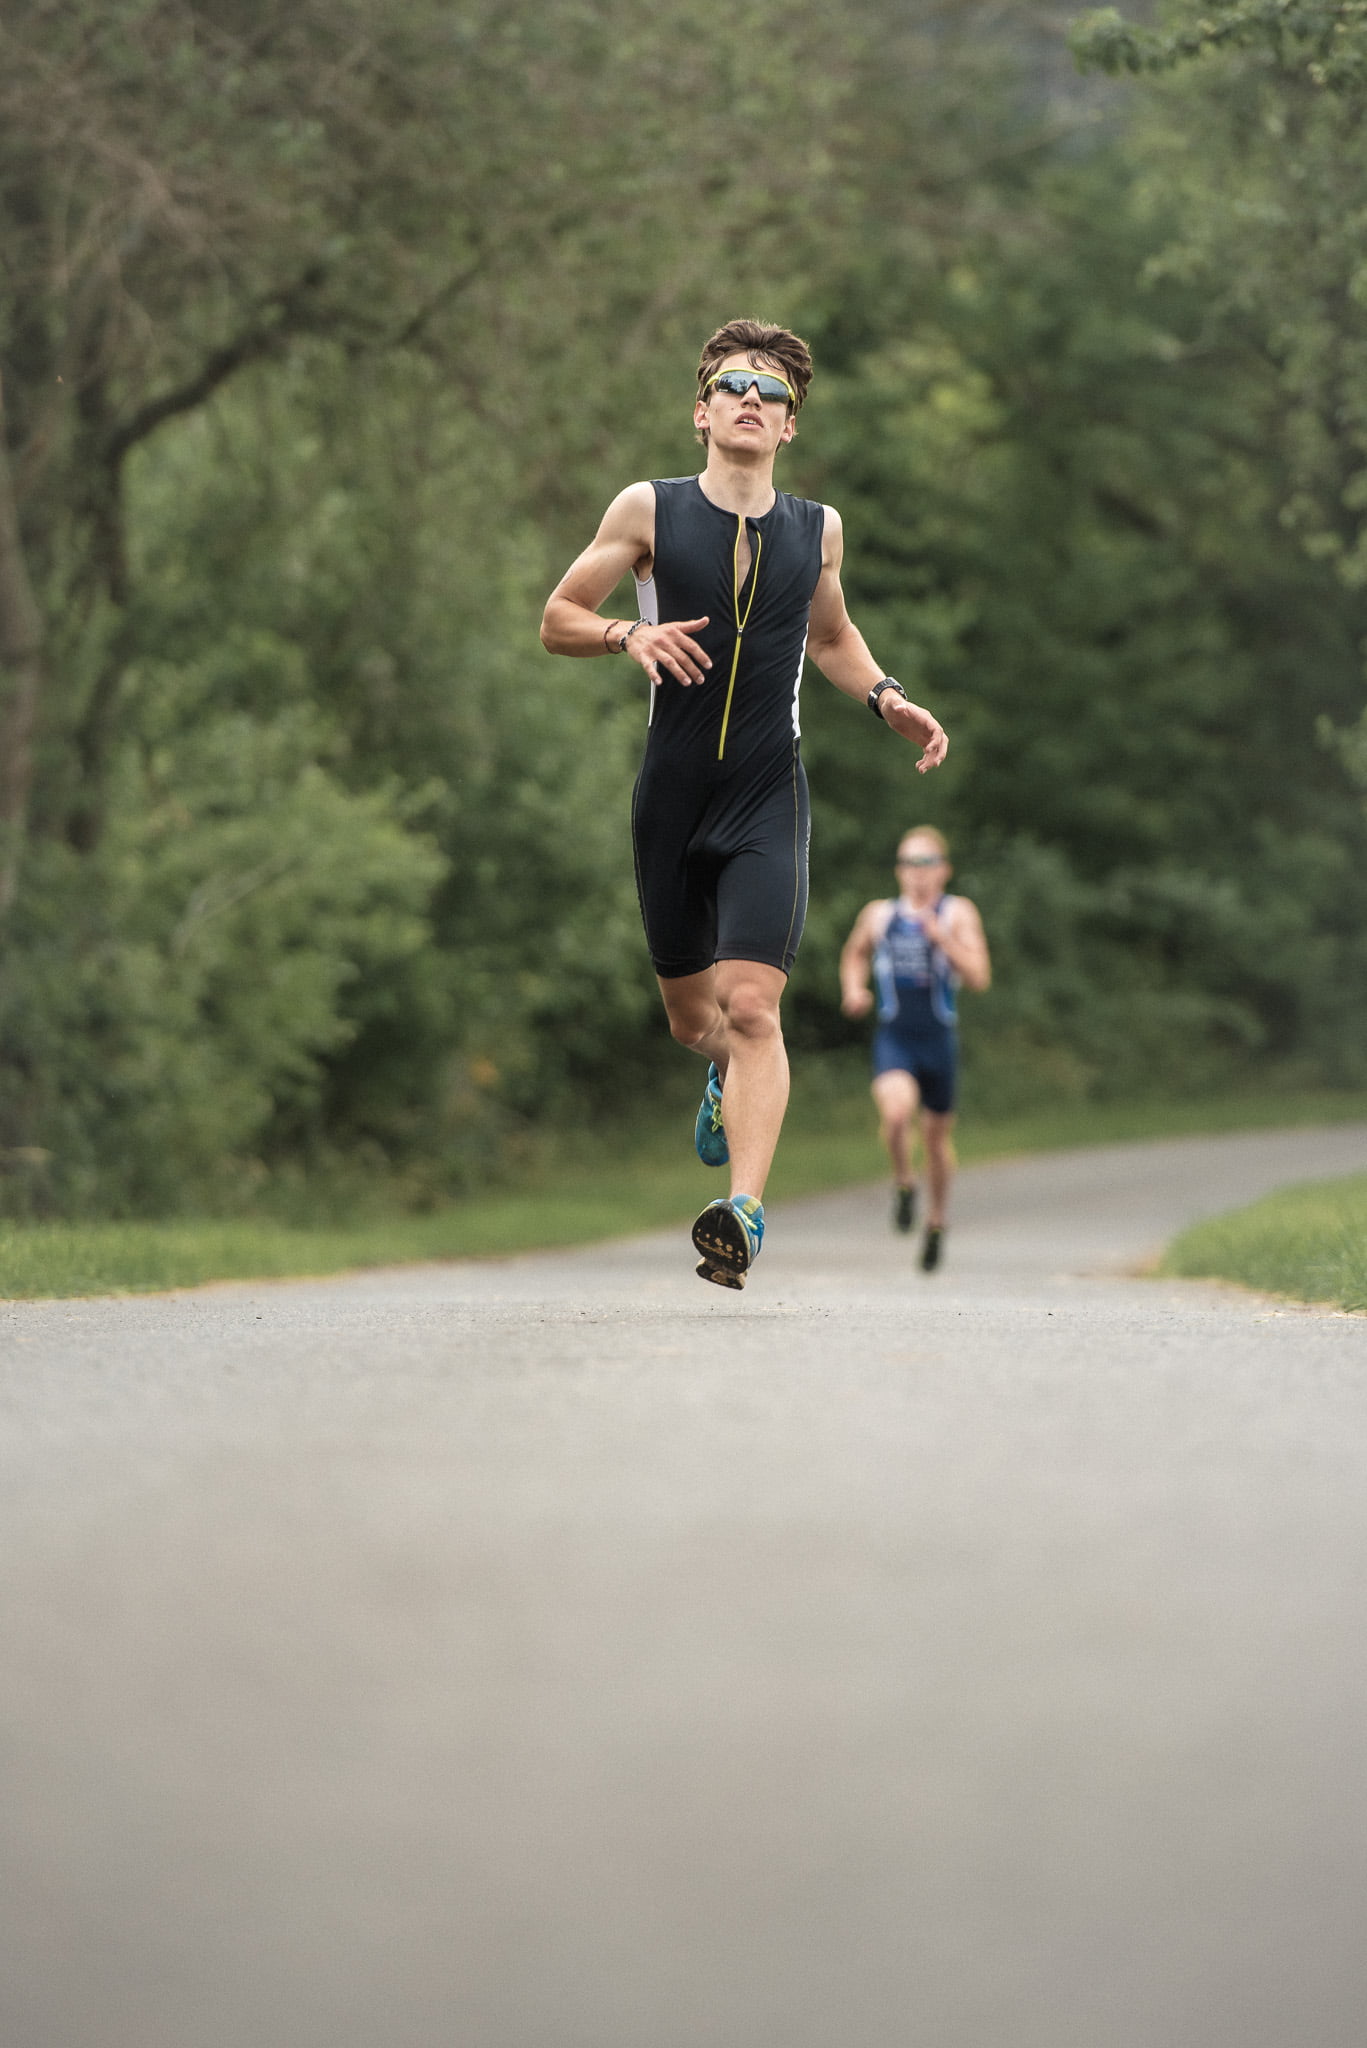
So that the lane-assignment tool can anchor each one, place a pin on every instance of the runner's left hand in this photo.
(910, 722)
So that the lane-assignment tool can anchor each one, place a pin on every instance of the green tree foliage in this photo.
(160, 1021)
(326, 336)
(186, 191)
(315, 328)
(1067, 515)
(1324, 43)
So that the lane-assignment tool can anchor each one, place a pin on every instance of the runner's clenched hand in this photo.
(933, 925)
(670, 647)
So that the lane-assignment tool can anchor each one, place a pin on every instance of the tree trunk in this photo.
(21, 668)
(107, 558)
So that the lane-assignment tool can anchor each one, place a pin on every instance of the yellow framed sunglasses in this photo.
(737, 382)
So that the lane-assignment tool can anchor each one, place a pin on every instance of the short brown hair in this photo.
(759, 338)
(930, 832)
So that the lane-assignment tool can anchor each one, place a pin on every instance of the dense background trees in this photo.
(325, 334)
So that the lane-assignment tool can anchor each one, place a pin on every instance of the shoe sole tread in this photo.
(720, 1236)
(721, 1276)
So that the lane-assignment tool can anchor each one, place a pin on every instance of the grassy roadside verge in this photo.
(1308, 1241)
(650, 1182)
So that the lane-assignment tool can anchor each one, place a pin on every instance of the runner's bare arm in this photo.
(840, 651)
(856, 956)
(960, 937)
(571, 623)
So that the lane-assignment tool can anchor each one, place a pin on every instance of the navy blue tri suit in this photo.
(719, 816)
(917, 1020)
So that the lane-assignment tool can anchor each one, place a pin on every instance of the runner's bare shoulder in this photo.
(631, 517)
(874, 918)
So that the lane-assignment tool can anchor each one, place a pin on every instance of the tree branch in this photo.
(452, 289)
(277, 320)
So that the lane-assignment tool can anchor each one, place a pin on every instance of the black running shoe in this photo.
(930, 1247)
(903, 1208)
(729, 1235)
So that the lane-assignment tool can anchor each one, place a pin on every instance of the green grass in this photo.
(649, 1181)
(1308, 1241)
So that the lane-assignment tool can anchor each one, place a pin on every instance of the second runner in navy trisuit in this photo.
(914, 991)
(735, 582)
(918, 947)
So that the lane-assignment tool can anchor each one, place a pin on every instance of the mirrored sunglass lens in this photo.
(738, 383)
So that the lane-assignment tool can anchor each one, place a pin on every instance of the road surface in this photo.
(561, 1653)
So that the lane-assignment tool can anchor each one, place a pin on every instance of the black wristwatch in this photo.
(888, 683)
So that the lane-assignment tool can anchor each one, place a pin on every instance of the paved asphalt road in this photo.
(560, 1653)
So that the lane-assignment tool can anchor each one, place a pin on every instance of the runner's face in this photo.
(755, 425)
(922, 870)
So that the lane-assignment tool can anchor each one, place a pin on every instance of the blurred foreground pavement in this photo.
(560, 1653)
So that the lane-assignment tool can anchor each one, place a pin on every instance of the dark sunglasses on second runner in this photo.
(738, 382)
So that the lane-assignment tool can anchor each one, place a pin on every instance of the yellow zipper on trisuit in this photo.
(740, 622)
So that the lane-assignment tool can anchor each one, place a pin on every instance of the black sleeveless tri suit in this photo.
(720, 818)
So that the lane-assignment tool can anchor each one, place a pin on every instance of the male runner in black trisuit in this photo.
(734, 580)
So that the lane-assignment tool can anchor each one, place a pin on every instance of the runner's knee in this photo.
(693, 1025)
(896, 1098)
(938, 1132)
(751, 1012)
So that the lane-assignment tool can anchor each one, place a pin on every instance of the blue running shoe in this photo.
(729, 1235)
(708, 1135)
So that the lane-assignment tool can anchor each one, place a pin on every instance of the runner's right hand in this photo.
(670, 649)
